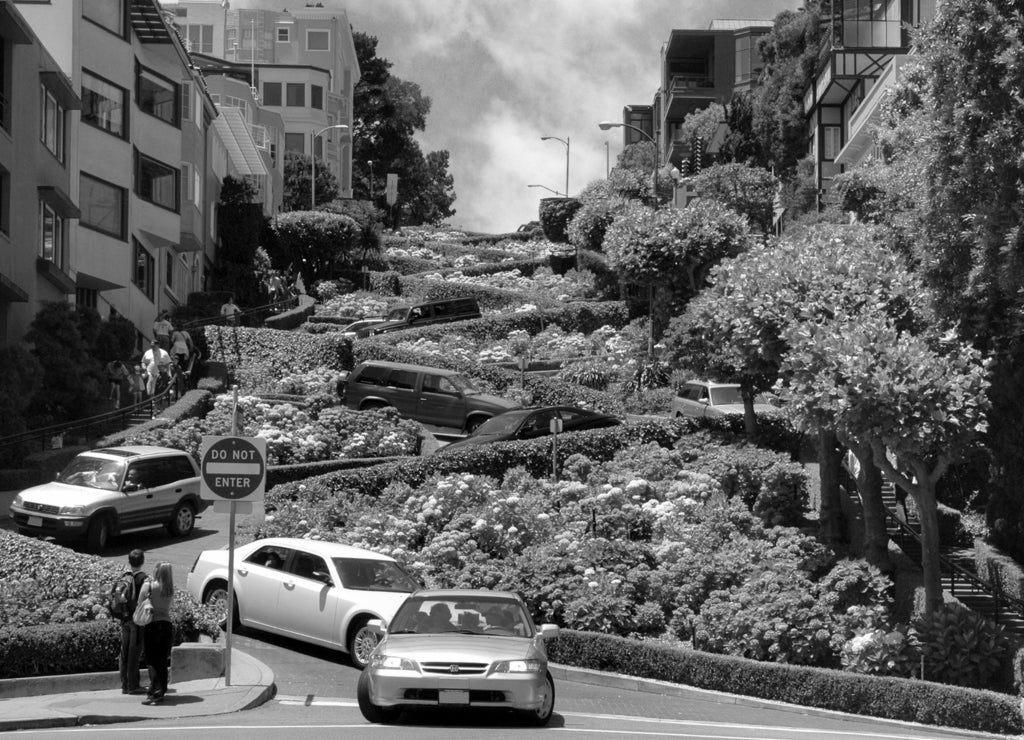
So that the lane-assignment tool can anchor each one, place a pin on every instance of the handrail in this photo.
(956, 569)
(284, 304)
(42, 436)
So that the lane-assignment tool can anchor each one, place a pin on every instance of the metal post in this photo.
(231, 557)
(312, 170)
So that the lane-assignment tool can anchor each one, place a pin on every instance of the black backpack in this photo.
(121, 601)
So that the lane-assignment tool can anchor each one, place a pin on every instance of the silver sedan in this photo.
(459, 649)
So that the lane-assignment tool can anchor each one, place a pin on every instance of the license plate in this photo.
(452, 696)
(35, 521)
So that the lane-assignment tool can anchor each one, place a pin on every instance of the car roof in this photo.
(127, 451)
(406, 366)
(711, 384)
(319, 547)
(465, 593)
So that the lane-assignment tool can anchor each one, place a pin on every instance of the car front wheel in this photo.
(473, 424)
(371, 712)
(183, 520)
(542, 715)
(99, 533)
(216, 596)
(361, 643)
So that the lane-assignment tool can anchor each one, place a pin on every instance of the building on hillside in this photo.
(303, 64)
(37, 155)
(137, 220)
(868, 41)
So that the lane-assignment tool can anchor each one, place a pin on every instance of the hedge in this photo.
(901, 699)
(273, 349)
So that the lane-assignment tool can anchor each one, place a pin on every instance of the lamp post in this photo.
(566, 142)
(604, 126)
(370, 163)
(312, 161)
(546, 188)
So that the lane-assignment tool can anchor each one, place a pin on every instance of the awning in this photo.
(62, 89)
(59, 201)
(231, 128)
(10, 291)
(189, 243)
(92, 282)
(155, 241)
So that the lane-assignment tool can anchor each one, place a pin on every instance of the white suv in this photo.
(113, 491)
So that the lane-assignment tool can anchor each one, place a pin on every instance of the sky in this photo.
(503, 73)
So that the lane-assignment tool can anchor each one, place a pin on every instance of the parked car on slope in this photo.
(429, 395)
(533, 423)
(114, 490)
(318, 592)
(424, 314)
(702, 398)
(460, 649)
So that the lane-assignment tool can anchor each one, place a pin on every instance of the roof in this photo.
(736, 24)
(465, 593)
(234, 132)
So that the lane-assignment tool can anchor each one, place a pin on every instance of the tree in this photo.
(916, 401)
(388, 113)
(736, 329)
(316, 243)
(241, 228)
(747, 190)
(632, 177)
(297, 171)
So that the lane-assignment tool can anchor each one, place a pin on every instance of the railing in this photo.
(36, 440)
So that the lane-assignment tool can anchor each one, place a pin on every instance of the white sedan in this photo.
(714, 400)
(318, 592)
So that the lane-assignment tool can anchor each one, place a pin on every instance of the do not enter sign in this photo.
(233, 468)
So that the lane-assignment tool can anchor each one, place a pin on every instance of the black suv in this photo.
(423, 314)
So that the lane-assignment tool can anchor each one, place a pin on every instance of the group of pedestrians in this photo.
(154, 639)
(167, 362)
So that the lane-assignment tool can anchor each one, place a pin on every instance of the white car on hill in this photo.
(318, 592)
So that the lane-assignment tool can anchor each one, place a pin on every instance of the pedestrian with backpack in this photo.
(124, 597)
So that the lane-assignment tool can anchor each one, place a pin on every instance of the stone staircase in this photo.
(979, 592)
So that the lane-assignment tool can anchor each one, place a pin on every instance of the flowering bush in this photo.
(881, 653)
(307, 383)
(359, 305)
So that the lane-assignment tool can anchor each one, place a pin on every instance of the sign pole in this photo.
(231, 554)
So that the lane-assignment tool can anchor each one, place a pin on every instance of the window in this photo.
(259, 136)
(106, 13)
(318, 40)
(51, 242)
(404, 379)
(186, 101)
(157, 96)
(103, 104)
(169, 269)
(199, 38)
(316, 97)
(372, 375)
(142, 274)
(295, 143)
(52, 124)
(186, 183)
(833, 142)
(296, 94)
(102, 205)
(271, 93)
(156, 182)
(439, 384)
(85, 297)
(284, 34)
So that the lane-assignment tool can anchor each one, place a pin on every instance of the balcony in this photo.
(688, 93)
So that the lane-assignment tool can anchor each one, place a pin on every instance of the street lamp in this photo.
(566, 142)
(370, 163)
(312, 161)
(546, 188)
(604, 126)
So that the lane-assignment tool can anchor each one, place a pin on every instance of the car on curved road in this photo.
(532, 423)
(699, 398)
(111, 491)
(459, 649)
(323, 593)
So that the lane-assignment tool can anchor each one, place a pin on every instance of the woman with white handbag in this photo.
(154, 616)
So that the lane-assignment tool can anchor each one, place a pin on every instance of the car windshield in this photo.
(93, 472)
(374, 575)
(463, 384)
(727, 394)
(397, 314)
(474, 615)
(500, 424)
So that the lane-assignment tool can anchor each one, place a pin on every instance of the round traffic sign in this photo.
(234, 467)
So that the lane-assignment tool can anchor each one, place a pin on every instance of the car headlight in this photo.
(76, 510)
(518, 666)
(393, 662)
(18, 501)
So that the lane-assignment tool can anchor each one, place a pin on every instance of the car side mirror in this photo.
(548, 631)
(323, 576)
(130, 486)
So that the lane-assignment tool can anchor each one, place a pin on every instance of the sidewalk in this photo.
(96, 698)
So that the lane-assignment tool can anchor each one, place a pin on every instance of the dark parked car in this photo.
(425, 314)
(532, 423)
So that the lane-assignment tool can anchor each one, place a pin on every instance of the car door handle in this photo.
(290, 585)
(178, 490)
(243, 571)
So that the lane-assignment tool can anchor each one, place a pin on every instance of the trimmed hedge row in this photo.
(490, 299)
(270, 348)
(493, 459)
(902, 699)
